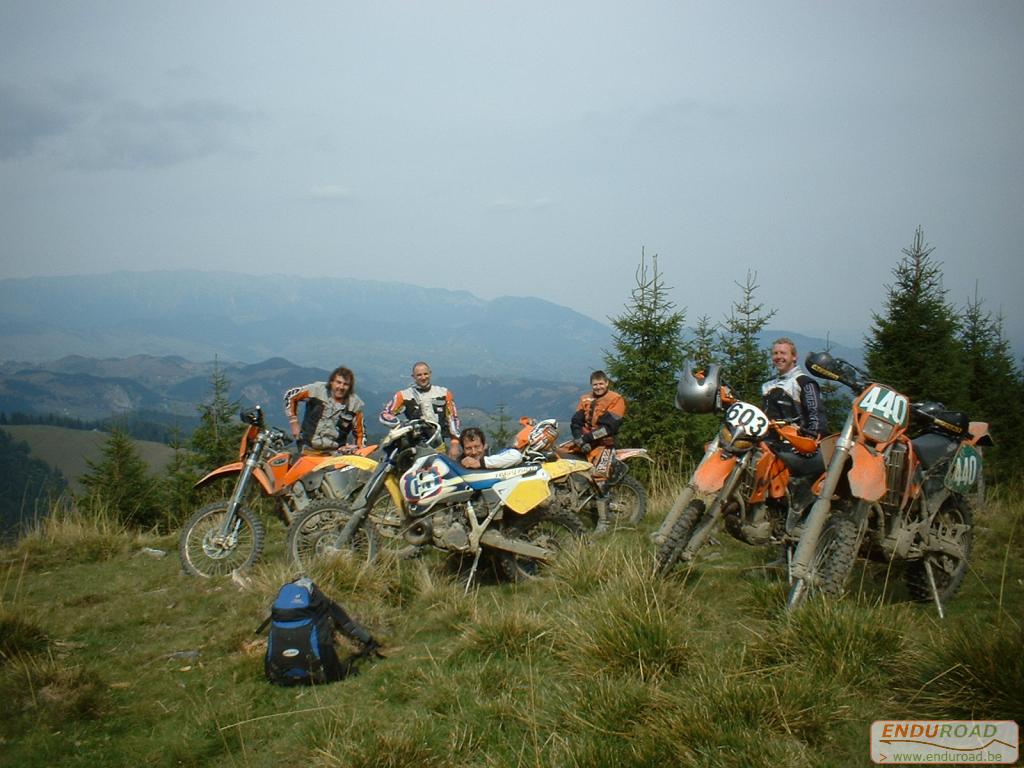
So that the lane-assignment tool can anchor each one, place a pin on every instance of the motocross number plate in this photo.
(748, 417)
(965, 469)
(885, 404)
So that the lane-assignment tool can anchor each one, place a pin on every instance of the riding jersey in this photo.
(597, 419)
(434, 404)
(795, 395)
(327, 424)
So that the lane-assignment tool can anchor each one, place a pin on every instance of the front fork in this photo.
(713, 515)
(363, 502)
(819, 513)
(230, 523)
(682, 500)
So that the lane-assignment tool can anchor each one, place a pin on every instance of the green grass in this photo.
(111, 656)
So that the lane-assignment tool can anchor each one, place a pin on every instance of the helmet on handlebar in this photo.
(823, 365)
(698, 392)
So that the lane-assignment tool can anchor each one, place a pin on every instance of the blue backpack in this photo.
(300, 646)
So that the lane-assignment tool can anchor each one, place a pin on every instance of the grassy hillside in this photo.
(112, 657)
(68, 449)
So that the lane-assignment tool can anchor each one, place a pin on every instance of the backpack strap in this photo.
(263, 626)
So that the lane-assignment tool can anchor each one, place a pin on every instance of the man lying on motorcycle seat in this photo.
(474, 452)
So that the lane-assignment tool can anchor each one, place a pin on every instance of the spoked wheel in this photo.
(952, 528)
(627, 502)
(553, 529)
(834, 557)
(313, 535)
(205, 550)
(668, 553)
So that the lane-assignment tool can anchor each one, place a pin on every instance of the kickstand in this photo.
(935, 589)
(472, 571)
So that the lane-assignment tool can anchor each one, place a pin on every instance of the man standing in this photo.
(426, 401)
(333, 413)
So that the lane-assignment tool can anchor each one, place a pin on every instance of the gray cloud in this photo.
(26, 121)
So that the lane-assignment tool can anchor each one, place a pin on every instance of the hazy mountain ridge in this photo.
(377, 329)
(100, 345)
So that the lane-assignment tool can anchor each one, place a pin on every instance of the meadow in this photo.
(112, 656)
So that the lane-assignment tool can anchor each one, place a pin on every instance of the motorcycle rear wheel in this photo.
(668, 552)
(312, 535)
(548, 528)
(948, 570)
(627, 502)
(204, 552)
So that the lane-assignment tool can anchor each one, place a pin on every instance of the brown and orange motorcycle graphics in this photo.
(226, 535)
(890, 496)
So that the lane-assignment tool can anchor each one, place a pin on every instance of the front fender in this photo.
(710, 475)
(234, 470)
(867, 473)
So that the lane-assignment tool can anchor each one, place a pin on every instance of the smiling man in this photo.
(334, 412)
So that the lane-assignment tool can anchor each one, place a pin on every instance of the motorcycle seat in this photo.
(931, 447)
(800, 465)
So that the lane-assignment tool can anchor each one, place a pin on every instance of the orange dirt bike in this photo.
(226, 535)
(574, 483)
(889, 496)
(754, 473)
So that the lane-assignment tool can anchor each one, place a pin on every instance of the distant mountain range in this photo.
(127, 343)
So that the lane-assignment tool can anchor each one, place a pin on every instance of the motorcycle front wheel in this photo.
(668, 552)
(627, 502)
(833, 560)
(552, 529)
(205, 551)
(951, 524)
(312, 536)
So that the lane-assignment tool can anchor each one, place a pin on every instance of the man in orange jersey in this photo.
(334, 412)
(426, 401)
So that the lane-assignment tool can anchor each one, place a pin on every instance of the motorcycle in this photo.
(226, 535)
(755, 472)
(431, 500)
(577, 483)
(888, 495)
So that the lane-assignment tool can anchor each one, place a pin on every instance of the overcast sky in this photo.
(524, 148)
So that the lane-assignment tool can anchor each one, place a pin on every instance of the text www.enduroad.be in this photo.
(982, 756)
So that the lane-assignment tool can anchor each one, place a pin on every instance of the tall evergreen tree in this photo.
(995, 388)
(745, 363)
(647, 355)
(177, 494)
(28, 486)
(120, 482)
(914, 346)
(215, 440)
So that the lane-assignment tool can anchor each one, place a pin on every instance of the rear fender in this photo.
(710, 475)
(625, 454)
(867, 473)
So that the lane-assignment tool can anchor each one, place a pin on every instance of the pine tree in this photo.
(501, 434)
(120, 483)
(745, 364)
(647, 355)
(995, 388)
(178, 496)
(215, 440)
(914, 346)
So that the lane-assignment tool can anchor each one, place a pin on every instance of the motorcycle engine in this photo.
(449, 531)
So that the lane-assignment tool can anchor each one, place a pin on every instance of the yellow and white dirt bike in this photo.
(618, 500)
(887, 495)
(425, 498)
